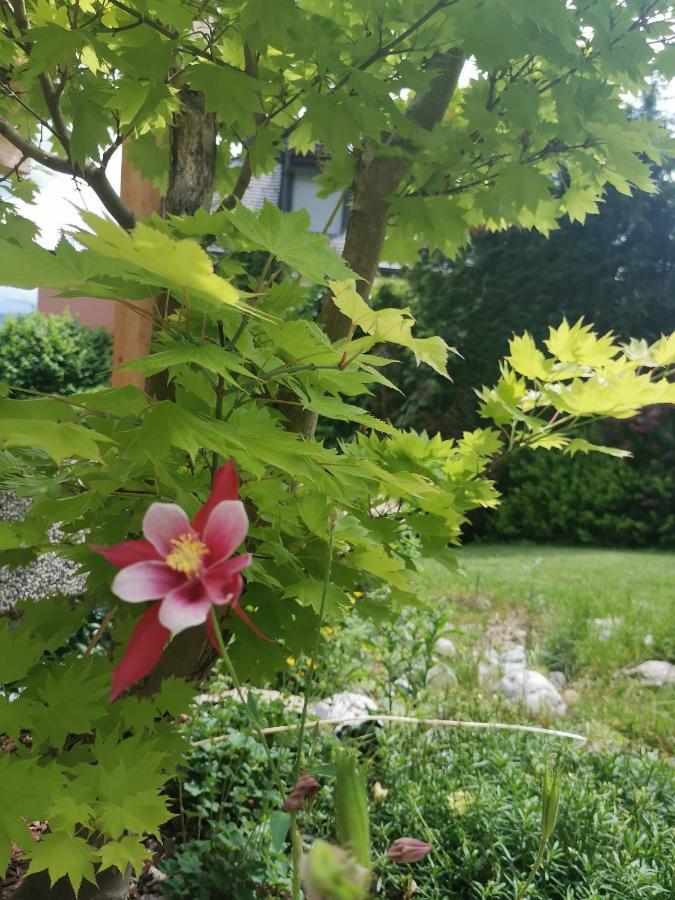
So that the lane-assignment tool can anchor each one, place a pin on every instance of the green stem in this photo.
(296, 857)
(253, 719)
(309, 681)
(533, 871)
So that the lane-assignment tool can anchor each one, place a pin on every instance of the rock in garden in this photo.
(652, 672)
(348, 705)
(557, 679)
(533, 690)
(444, 648)
(494, 664)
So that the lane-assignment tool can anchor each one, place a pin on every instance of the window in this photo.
(303, 195)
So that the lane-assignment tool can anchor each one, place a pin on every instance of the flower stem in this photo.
(309, 681)
(522, 892)
(296, 858)
(253, 719)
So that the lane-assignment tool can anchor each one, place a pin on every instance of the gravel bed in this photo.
(47, 576)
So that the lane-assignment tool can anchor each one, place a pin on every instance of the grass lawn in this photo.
(555, 593)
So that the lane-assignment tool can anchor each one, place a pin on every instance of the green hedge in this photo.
(586, 500)
(53, 354)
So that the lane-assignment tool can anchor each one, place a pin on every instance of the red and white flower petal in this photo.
(150, 580)
(163, 523)
(225, 593)
(184, 607)
(127, 553)
(225, 529)
(224, 570)
(225, 487)
(142, 653)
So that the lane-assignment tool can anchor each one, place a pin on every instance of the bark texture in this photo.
(192, 158)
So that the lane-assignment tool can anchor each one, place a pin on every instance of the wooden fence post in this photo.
(132, 330)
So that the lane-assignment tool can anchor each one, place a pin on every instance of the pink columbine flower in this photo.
(408, 850)
(187, 567)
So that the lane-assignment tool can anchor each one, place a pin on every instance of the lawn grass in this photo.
(556, 593)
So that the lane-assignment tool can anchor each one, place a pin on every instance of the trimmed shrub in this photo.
(53, 354)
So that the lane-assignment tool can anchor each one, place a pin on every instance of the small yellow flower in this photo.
(459, 801)
(290, 661)
(357, 594)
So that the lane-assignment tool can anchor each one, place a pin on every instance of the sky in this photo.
(55, 209)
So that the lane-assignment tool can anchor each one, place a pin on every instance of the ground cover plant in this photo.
(220, 447)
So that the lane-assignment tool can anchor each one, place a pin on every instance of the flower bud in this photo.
(351, 806)
(304, 791)
(408, 850)
(552, 785)
(330, 873)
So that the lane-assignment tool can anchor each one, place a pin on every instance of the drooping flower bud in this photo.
(304, 791)
(408, 850)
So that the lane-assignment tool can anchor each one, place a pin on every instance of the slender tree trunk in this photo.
(377, 180)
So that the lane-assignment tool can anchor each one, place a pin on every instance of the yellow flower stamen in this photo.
(187, 554)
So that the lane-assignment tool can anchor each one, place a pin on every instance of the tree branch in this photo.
(94, 176)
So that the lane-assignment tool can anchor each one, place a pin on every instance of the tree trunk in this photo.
(377, 179)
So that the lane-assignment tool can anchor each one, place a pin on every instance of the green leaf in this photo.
(64, 854)
(210, 357)
(309, 592)
(60, 441)
(140, 812)
(280, 822)
(233, 95)
(181, 266)
(127, 851)
(19, 650)
(526, 359)
(389, 325)
(581, 445)
(287, 237)
(74, 697)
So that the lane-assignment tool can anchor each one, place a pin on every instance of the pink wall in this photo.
(90, 312)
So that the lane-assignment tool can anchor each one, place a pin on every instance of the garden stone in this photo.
(533, 690)
(444, 647)
(514, 659)
(441, 677)
(652, 672)
(557, 679)
(493, 664)
(344, 705)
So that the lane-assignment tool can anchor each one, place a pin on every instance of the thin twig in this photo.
(101, 628)
(412, 720)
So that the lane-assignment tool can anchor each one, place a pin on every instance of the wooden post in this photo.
(132, 329)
